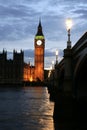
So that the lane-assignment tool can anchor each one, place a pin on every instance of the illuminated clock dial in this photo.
(39, 42)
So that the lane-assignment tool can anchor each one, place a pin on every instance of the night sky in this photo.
(19, 20)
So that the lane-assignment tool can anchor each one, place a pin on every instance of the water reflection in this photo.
(26, 108)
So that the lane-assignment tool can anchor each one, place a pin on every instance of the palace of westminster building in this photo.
(16, 70)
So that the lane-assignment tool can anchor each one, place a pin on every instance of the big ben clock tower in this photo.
(39, 45)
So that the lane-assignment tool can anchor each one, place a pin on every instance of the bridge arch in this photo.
(80, 78)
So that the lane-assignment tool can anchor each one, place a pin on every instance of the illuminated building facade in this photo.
(36, 73)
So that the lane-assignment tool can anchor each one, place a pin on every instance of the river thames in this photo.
(26, 108)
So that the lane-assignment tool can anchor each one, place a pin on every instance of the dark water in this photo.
(27, 108)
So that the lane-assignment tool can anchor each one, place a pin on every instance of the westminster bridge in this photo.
(67, 84)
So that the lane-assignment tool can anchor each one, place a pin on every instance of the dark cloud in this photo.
(14, 11)
(82, 13)
(16, 22)
(29, 53)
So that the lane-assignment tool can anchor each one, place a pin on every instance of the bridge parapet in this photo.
(71, 68)
(71, 87)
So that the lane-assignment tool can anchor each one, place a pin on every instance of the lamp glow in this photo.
(68, 24)
(56, 57)
(56, 52)
(52, 64)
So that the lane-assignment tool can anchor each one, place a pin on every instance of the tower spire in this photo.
(39, 22)
(39, 29)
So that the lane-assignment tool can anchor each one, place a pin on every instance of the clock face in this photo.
(39, 42)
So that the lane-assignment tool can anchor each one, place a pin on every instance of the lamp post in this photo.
(56, 57)
(52, 65)
(68, 62)
(68, 26)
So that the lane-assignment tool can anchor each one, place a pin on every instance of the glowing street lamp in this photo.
(68, 26)
(52, 64)
(56, 57)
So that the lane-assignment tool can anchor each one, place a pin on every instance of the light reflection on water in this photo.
(26, 108)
